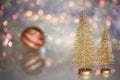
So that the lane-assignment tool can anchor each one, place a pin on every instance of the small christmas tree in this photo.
(105, 53)
(84, 47)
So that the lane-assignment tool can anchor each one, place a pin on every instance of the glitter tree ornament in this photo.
(105, 53)
(84, 47)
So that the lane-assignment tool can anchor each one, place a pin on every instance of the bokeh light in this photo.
(48, 17)
(59, 20)
(71, 4)
(48, 62)
(76, 20)
(5, 23)
(29, 13)
(40, 12)
(35, 17)
(102, 3)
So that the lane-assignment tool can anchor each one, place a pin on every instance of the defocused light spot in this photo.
(5, 23)
(50, 38)
(14, 17)
(7, 39)
(108, 24)
(4, 54)
(102, 3)
(71, 4)
(95, 25)
(48, 62)
(88, 4)
(48, 17)
(97, 73)
(10, 44)
(76, 20)
(40, 12)
(29, 13)
(5, 42)
(38, 2)
(35, 17)
(114, 40)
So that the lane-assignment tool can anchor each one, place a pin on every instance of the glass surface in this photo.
(59, 20)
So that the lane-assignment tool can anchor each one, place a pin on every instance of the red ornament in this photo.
(33, 37)
(32, 62)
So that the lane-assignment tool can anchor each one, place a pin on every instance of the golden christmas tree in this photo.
(105, 53)
(84, 47)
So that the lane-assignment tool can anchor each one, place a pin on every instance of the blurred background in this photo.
(59, 20)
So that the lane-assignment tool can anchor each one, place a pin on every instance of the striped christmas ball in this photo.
(33, 38)
(32, 63)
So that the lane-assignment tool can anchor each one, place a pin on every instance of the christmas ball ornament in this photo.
(105, 72)
(32, 63)
(33, 38)
(85, 72)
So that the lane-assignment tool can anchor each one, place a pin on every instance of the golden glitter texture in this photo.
(84, 46)
(105, 50)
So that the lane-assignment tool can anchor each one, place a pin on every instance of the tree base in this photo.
(85, 72)
(105, 72)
